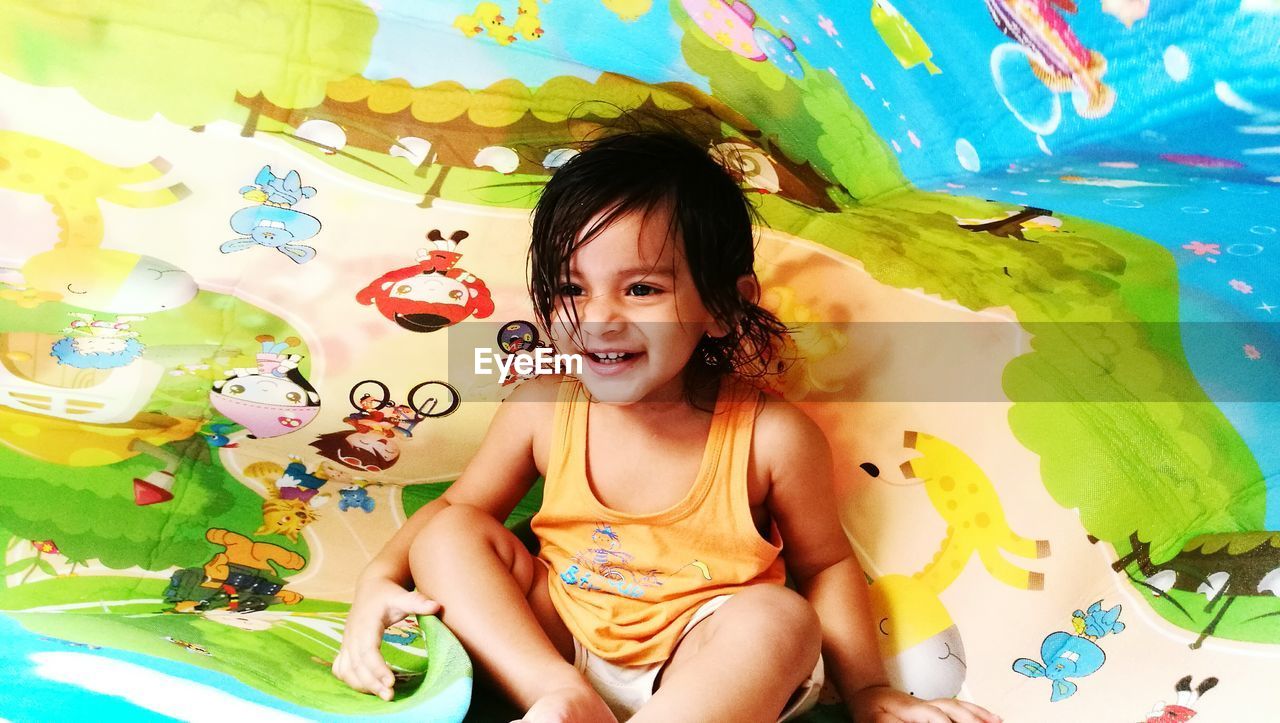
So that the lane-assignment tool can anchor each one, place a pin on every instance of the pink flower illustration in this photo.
(828, 26)
(1199, 248)
(1252, 352)
(1241, 286)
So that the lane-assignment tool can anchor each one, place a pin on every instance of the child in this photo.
(671, 484)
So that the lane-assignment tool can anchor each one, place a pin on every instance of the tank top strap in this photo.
(568, 432)
(732, 476)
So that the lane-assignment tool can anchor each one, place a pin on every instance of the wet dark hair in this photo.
(645, 171)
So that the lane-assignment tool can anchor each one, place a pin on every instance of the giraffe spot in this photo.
(63, 186)
(967, 525)
(955, 564)
(31, 153)
(4, 163)
(947, 484)
(973, 488)
(26, 178)
(952, 504)
(982, 519)
(77, 173)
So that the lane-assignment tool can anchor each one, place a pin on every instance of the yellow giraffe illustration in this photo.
(73, 182)
(967, 501)
(920, 643)
(77, 268)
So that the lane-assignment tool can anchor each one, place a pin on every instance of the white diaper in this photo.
(625, 688)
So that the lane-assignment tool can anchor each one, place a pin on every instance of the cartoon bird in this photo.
(529, 27)
(1096, 622)
(217, 435)
(901, 37)
(469, 25)
(489, 15)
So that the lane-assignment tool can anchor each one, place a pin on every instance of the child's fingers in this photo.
(954, 711)
(925, 713)
(364, 673)
(415, 603)
(374, 674)
(983, 714)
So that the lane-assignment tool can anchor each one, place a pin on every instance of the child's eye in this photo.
(570, 290)
(642, 290)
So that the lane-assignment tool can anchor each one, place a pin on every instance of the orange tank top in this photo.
(627, 584)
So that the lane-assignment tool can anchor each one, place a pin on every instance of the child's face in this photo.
(633, 293)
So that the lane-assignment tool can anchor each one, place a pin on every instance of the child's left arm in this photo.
(819, 558)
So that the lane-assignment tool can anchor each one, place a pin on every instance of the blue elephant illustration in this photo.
(273, 227)
(1065, 656)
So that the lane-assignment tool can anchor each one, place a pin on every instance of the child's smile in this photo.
(639, 315)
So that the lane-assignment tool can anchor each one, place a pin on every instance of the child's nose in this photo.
(602, 311)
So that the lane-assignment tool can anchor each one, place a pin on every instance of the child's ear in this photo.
(749, 290)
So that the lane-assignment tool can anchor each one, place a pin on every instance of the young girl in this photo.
(671, 485)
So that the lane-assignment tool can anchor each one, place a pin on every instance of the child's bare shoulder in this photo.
(786, 440)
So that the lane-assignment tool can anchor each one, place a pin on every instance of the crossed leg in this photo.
(742, 663)
(494, 598)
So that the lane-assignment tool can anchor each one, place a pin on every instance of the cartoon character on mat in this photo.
(1057, 57)
(355, 497)
(1181, 711)
(378, 421)
(520, 338)
(270, 399)
(1064, 655)
(921, 645)
(293, 493)
(432, 294)
(92, 343)
(274, 223)
(240, 577)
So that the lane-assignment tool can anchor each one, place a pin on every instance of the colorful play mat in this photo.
(1026, 246)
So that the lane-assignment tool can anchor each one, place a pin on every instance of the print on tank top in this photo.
(611, 566)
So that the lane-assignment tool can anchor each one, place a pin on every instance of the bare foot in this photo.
(574, 704)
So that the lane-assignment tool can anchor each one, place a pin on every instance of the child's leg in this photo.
(742, 663)
(494, 597)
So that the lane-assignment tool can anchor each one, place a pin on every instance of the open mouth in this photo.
(611, 362)
(612, 357)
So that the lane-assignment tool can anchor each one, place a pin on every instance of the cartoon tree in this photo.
(838, 141)
(187, 61)
(376, 116)
(92, 514)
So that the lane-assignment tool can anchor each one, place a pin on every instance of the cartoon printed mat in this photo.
(1027, 246)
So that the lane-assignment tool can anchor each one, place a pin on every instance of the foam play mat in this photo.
(1026, 247)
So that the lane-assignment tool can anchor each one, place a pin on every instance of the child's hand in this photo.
(882, 704)
(379, 602)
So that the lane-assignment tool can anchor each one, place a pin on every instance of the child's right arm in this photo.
(495, 480)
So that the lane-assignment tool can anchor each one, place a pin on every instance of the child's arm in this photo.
(802, 502)
(495, 480)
